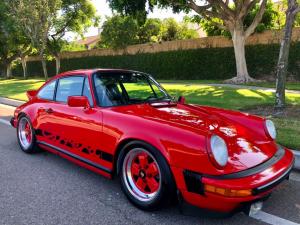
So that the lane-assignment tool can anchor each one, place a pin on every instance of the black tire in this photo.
(167, 190)
(32, 147)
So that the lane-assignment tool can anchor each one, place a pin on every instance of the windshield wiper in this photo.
(161, 99)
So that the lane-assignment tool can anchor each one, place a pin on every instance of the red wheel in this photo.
(24, 133)
(146, 178)
(26, 137)
(141, 174)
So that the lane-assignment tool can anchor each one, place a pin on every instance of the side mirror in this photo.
(181, 100)
(78, 101)
(31, 94)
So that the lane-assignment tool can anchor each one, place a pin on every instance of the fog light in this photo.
(255, 208)
(227, 192)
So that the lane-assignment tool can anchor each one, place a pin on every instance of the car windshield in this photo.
(113, 89)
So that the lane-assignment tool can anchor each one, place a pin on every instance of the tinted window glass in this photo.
(47, 92)
(114, 89)
(68, 86)
(87, 91)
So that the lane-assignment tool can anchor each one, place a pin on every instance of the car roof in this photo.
(91, 71)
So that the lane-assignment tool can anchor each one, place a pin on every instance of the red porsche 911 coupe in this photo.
(124, 124)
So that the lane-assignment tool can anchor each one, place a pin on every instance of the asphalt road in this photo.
(46, 189)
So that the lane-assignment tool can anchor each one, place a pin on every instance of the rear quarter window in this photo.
(47, 92)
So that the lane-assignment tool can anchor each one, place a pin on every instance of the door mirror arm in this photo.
(181, 100)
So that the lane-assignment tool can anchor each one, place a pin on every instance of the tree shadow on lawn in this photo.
(17, 88)
(226, 97)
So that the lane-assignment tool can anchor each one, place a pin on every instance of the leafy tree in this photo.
(150, 31)
(185, 32)
(12, 40)
(172, 30)
(297, 21)
(282, 65)
(72, 47)
(269, 20)
(46, 22)
(36, 17)
(73, 16)
(119, 32)
(282, 7)
(220, 12)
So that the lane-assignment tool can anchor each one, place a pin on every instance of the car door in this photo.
(76, 130)
(44, 104)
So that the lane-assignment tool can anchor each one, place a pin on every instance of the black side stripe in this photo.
(78, 146)
(86, 161)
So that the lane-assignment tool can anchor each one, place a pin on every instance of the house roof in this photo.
(89, 40)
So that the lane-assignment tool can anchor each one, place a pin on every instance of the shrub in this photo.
(207, 63)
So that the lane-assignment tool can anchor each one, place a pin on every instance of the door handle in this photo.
(49, 111)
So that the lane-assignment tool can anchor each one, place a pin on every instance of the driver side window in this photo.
(69, 86)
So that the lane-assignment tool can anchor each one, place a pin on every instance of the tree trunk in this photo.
(57, 60)
(8, 70)
(24, 66)
(44, 65)
(2, 71)
(282, 64)
(239, 39)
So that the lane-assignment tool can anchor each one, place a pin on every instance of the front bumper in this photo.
(261, 180)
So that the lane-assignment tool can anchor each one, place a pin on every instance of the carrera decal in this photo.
(70, 144)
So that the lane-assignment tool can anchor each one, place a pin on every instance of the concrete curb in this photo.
(11, 102)
(16, 103)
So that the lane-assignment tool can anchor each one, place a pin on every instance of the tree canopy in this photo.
(73, 16)
(271, 19)
(45, 23)
(222, 13)
(121, 31)
(13, 41)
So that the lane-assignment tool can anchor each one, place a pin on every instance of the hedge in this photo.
(208, 63)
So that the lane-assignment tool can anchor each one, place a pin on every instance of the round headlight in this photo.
(271, 129)
(219, 150)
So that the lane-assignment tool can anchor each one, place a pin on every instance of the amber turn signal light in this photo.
(227, 192)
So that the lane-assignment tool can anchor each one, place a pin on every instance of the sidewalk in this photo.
(11, 102)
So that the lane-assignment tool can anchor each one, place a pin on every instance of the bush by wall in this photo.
(205, 63)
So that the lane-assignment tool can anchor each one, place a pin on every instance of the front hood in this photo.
(248, 144)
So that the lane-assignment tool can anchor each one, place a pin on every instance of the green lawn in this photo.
(226, 97)
(192, 81)
(288, 130)
(237, 99)
(289, 85)
(16, 89)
